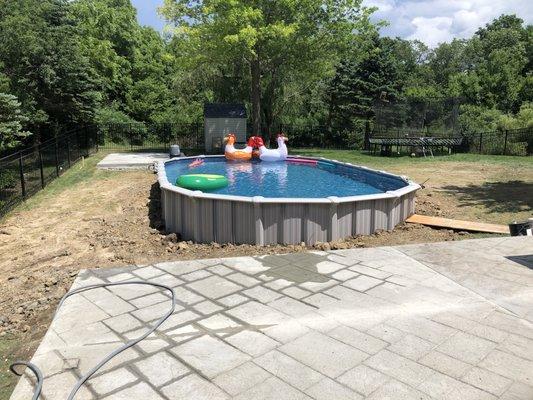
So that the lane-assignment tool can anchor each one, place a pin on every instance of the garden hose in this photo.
(37, 372)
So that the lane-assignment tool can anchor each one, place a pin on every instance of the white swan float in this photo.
(278, 154)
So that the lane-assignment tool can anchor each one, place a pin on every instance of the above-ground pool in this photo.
(299, 200)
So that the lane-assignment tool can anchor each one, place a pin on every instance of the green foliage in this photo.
(362, 77)
(11, 122)
(112, 115)
(9, 177)
(475, 118)
(115, 126)
(277, 48)
(43, 62)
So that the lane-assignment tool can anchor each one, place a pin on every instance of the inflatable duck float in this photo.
(278, 154)
(232, 153)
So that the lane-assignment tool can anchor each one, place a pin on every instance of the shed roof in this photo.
(221, 110)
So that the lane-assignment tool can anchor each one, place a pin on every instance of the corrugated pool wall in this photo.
(206, 220)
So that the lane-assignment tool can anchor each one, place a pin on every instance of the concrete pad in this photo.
(122, 161)
(431, 321)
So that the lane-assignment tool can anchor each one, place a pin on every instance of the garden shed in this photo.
(221, 119)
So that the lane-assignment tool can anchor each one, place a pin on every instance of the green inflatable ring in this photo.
(202, 181)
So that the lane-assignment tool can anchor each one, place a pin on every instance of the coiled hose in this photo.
(37, 372)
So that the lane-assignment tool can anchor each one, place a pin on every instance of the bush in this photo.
(119, 128)
(9, 178)
(495, 144)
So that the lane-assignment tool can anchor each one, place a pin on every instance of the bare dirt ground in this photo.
(99, 219)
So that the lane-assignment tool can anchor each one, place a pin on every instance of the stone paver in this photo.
(399, 367)
(289, 370)
(273, 389)
(193, 387)
(242, 378)
(324, 354)
(252, 343)
(214, 287)
(112, 380)
(362, 283)
(141, 390)
(448, 321)
(363, 379)
(161, 368)
(328, 389)
(210, 356)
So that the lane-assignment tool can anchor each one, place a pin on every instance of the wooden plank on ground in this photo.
(456, 224)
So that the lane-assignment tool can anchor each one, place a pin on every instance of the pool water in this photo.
(288, 179)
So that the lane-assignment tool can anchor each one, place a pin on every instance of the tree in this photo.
(149, 95)
(275, 42)
(109, 34)
(44, 64)
(11, 122)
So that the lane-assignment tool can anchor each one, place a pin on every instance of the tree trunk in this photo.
(255, 70)
(268, 119)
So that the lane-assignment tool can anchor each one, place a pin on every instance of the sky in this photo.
(431, 21)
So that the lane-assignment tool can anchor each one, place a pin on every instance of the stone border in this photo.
(207, 217)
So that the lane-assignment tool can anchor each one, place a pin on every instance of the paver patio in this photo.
(433, 321)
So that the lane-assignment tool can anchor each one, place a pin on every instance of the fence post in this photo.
(505, 142)
(480, 141)
(22, 181)
(41, 165)
(57, 157)
(96, 137)
(366, 145)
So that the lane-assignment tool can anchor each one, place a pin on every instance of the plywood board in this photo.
(456, 224)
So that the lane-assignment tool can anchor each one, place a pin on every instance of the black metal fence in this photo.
(190, 137)
(516, 142)
(24, 173)
(150, 137)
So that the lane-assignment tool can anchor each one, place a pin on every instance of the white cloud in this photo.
(431, 31)
(436, 21)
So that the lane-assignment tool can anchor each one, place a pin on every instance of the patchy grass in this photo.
(83, 171)
(9, 348)
(377, 161)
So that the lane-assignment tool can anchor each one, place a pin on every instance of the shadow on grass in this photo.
(496, 197)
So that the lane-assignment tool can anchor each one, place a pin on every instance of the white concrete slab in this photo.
(121, 161)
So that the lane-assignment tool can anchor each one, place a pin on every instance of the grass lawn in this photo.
(376, 161)
(8, 346)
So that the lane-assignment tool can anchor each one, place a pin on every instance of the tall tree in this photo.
(11, 122)
(109, 34)
(373, 71)
(276, 42)
(43, 63)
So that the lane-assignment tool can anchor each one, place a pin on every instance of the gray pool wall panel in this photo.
(206, 217)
